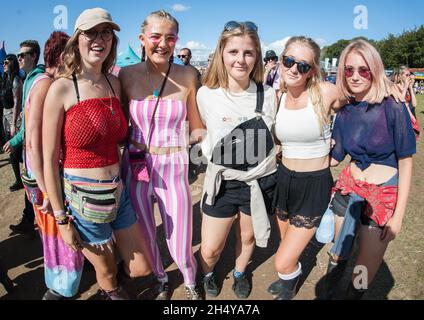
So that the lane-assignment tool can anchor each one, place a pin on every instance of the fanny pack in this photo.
(95, 202)
(33, 192)
(245, 141)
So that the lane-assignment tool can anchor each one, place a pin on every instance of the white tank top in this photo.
(300, 133)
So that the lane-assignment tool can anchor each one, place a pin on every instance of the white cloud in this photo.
(180, 7)
(199, 51)
(277, 46)
(321, 42)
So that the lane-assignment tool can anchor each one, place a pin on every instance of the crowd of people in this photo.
(270, 128)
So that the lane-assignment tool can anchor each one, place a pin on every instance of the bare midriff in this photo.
(105, 173)
(375, 173)
(306, 165)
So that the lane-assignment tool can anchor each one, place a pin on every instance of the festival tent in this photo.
(127, 58)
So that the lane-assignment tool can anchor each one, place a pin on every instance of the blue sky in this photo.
(201, 21)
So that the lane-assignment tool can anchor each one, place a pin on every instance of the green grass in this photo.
(420, 100)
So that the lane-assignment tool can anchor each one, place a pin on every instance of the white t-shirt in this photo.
(222, 111)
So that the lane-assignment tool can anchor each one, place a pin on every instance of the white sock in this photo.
(293, 275)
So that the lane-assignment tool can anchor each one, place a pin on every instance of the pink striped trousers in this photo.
(168, 186)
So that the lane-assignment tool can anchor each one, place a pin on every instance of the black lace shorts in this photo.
(302, 197)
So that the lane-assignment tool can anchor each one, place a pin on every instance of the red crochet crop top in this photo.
(91, 132)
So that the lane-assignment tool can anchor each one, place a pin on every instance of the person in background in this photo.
(28, 56)
(10, 103)
(272, 67)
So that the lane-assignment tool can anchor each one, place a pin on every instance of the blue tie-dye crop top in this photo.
(379, 133)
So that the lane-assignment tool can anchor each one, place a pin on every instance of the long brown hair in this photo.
(216, 75)
(313, 83)
(72, 56)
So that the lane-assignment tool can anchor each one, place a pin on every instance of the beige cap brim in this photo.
(88, 26)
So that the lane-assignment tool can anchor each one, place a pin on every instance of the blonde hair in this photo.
(313, 83)
(216, 75)
(72, 57)
(396, 77)
(380, 84)
(160, 14)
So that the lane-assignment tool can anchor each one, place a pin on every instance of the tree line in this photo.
(404, 49)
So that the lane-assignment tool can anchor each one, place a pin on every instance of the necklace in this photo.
(154, 88)
(110, 106)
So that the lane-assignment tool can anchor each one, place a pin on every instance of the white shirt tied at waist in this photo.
(260, 220)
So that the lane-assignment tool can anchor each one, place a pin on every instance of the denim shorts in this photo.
(101, 233)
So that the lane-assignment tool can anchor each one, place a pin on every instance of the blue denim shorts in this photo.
(101, 233)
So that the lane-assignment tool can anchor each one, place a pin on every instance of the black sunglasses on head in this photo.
(248, 25)
(302, 67)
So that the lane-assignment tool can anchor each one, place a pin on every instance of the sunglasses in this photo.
(248, 25)
(302, 67)
(156, 38)
(270, 59)
(182, 56)
(364, 72)
(22, 55)
(92, 34)
(6, 62)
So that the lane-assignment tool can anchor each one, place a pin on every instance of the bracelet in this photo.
(45, 195)
(60, 215)
(63, 222)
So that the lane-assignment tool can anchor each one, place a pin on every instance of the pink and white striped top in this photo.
(169, 127)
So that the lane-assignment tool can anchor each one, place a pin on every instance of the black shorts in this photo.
(302, 197)
(339, 206)
(234, 196)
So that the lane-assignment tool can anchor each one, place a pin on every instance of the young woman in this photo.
(160, 97)
(233, 97)
(10, 108)
(304, 178)
(376, 132)
(83, 124)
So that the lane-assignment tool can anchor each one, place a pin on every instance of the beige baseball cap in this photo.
(92, 17)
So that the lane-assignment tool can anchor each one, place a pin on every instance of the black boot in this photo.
(335, 271)
(116, 294)
(26, 224)
(275, 287)
(352, 293)
(5, 280)
(53, 295)
(288, 289)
